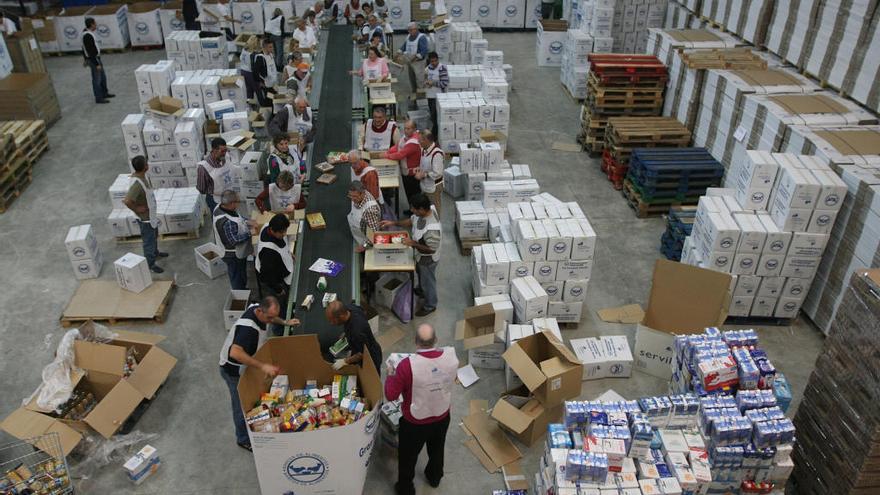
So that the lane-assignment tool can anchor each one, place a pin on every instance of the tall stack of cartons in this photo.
(112, 25)
(748, 20)
(154, 80)
(575, 66)
(145, 24)
(678, 16)
(462, 116)
(178, 210)
(190, 51)
(83, 252)
(621, 24)
(198, 89)
(249, 15)
(549, 42)
(168, 17)
(69, 24)
(121, 220)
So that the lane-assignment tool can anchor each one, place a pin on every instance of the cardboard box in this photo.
(165, 110)
(81, 243)
(684, 299)
(336, 458)
(118, 395)
(387, 287)
(482, 335)
(132, 272)
(548, 369)
(209, 259)
(529, 299)
(88, 268)
(236, 303)
(525, 417)
(392, 254)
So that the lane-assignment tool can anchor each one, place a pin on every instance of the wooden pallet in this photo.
(29, 136)
(159, 316)
(759, 321)
(465, 247)
(576, 100)
(643, 209)
(180, 236)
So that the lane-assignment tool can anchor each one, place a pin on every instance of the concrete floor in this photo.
(191, 416)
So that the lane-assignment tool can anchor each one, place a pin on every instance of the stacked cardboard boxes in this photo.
(28, 97)
(666, 43)
(575, 64)
(43, 27)
(549, 42)
(179, 210)
(83, 252)
(678, 16)
(747, 20)
(622, 24)
(249, 16)
(69, 24)
(24, 53)
(463, 116)
(112, 31)
(189, 51)
(168, 17)
(154, 80)
(145, 24)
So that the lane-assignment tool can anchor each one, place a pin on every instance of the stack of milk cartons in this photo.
(178, 210)
(575, 67)
(189, 51)
(453, 43)
(83, 252)
(122, 221)
(154, 80)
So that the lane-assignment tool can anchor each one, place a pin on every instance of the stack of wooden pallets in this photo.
(21, 143)
(624, 134)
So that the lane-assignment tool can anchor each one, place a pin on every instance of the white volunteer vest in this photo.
(279, 200)
(354, 221)
(431, 223)
(339, 5)
(244, 62)
(378, 141)
(303, 83)
(373, 31)
(223, 178)
(428, 184)
(284, 252)
(97, 45)
(412, 46)
(296, 123)
(273, 26)
(271, 72)
(291, 166)
(414, 139)
(433, 75)
(241, 248)
(227, 344)
(305, 39)
(371, 72)
(432, 381)
(151, 202)
(367, 169)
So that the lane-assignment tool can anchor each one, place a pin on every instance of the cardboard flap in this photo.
(510, 416)
(554, 366)
(369, 381)
(152, 372)
(138, 337)
(560, 348)
(114, 409)
(686, 299)
(522, 365)
(514, 479)
(852, 142)
(490, 437)
(768, 77)
(104, 358)
(459, 330)
(27, 425)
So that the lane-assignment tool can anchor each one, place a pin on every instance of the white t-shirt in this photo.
(8, 26)
(306, 39)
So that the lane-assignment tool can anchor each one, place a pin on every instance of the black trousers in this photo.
(411, 187)
(432, 107)
(411, 439)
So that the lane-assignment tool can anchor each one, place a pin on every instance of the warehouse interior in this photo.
(188, 421)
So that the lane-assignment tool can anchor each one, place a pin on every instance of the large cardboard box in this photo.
(112, 29)
(209, 259)
(524, 416)
(144, 24)
(118, 395)
(132, 272)
(68, 27)
(482, 334)
(684, 299)
(328, 461)
(548, 369)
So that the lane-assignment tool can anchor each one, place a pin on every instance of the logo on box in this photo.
(70, 32)
(103, 30)
(456, 11)
(483, 11)
(184, 143)
(142, 28)
(396, 12)
(776, 246)
(306, 469)
(559, 247)
(177, 24)
(247, 17)
(823, 220)
(555, 47)
(511, 11)
(721, 261)
(727, 243)
(746, 262)
(536, 249)
(757, 197)
(522, 271)
(771, 264)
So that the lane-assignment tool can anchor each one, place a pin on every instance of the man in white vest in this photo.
(413, 53)
(426, 238)
(242, 341)
(365, 214)
(233, 232)
(274, 261)
(141, 200)
(213, 174)
(425, 380)
(379, 133)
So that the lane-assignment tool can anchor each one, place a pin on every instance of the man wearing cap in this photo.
(303, 80)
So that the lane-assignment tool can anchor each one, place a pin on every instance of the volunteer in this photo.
(213, 174)
(430, 173)
(362, 171)
(293, 59)
(284, 195)
(92, 55)
(301, 79)
(216, 19)
(283, 157)
(374, 28)
(318, 15)
(246, 60)
(356, 331)
(436, 80)
(413, 54)
(141, 200)
(312, 23)
(305, 38)
(7, 25)
(352, 10)
(426, 237)
(295, 118)
(374, 68)
(265, 74)
(232, 232)
(274, 262)
(190, 14)
(360, 29)
(365, 214)
(379, 133)
(377, 43)
(275, 31)
(425, 380)
(242, 342)
(409, 152)
(336, 13)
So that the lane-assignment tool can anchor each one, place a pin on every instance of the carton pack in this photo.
(81, 243)
(132, 272)
(604, 357)
(529, 299)
(209, 259)
(118, 395)
(482, 335)
(387, 287)
(548, 369)
(89, 267)
(332, 460)
(524, 416)
(235, 304)
(565, 312)
(392, 254)
(166, 111)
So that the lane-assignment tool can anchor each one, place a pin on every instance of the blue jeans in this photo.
(209, 200)
(99, 81)
(237, 270)
(426, 269)
(150, 239)
(241, 434)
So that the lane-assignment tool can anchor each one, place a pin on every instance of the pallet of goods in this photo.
(664, 43)
(748, 20)
(625, 134)
(29, 96)
(838, 448)
(24, 52)
(15, 172)
(679, 223)
(619, 85)
(29, 136)
(660, 178)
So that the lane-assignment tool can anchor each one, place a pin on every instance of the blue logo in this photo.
(155, 138)
(776, 246)
(134, 148)
(103, 30)
(184, 143)
(536, 249)
(832, 199)
(370, 426)
(142, 28)
(70, 32)
(746, 262)
(456, 11)
(247, 17)
(177, 24)
(576, 291)
(721, 260)
(78, 251)
(771, 264)
(796, 290)
(478, 187)
(727, 242)
(83, 268)
(396, 12)
(789, 306)
(366, 449)
(555, 47)
(616, 369)
(483, 11)
(209, 93)
(559, 247)
(511, 10)
(522, 271)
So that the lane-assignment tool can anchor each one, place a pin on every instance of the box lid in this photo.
(806, 104)
(853, 142)
(152, 371)
(477, 329)
(104, 358)
(516, 419)
(686, 299)
(25, 425)
(114, 409)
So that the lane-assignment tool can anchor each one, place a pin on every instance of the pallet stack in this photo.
(29, 135)
(679, 224)
(21, 143)
(625, 134)
(661, 178)
(619, 85)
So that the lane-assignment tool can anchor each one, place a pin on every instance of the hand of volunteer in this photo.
(290, 208)
(409, 242)
(359, 248)
(292, 322)
(270, 369)
(429, 82)
(339, 364)
(420, 174)
(387, 223)
(251, 223)
(389, 370)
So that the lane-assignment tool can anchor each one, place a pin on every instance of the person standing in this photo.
(356, 330)
(274, 262)
(430, 173)
(362, 171)
(295, 118)
(374, 28)
(242, 341)
(7, 25)
(425, 380)
(275, 31)
(92, 55)
(365, 214)
(426, 238)
(141, 200)
(409, 153)
(283, 157)
(245, 64)
(284, 195)
(213, 174)
(413, 54)
(265, 73)
(232, 232)
(436, 81)
(379, 133)
(190, 12)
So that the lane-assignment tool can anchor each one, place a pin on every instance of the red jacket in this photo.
(412, 152)
(401, 383)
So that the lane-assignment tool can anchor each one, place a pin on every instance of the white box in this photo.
(770, 265)
(565, 312)
(234, 306)
(119, 222)
(132, 272)
(574, 269)
(529, 299)
(575, 290)
(236, 121)
(554, 290)
(387, 287)
(740, 305)
(88, 268)
(764, 306)
(81, 243)
(213, 267)
(771, 287)
(545, 271)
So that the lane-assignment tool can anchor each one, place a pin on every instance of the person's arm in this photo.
(397, 153)
(400, 380)
(234, 235)
(371, 183)
(403, 222)
(133, 197)
(259, 67)
(422, 52)
(412, 150)
(237, 352)
(395, 136)
(204, 182)
(310, 136)
(428, 245)
(384, 66)
(261, 200)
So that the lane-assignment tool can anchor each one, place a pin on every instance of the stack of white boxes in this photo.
(199, 89)
(248, 16)
(190, 143)
(621, 23)
(462, 116)
(548, 44)
(178, 210)
(112, 26)
(154, 80)
(774, 246)
(456, 41)
(188, 51)
(575, 66)
(133, 273)
(471, 220)
(83, 252)
(122, 221)
(748, 20)
(678, 16)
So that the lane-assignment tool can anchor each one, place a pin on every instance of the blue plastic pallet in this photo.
(671, 163)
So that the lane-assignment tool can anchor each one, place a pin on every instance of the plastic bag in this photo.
(96, 452)
(403, 302)
(57, 387)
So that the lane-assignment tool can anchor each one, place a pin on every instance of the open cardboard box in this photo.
(388, 253)
(524, 416)
(684, 299)
(482, 332)
(548, 369)
(332, 460)
(166, 110)
(101, 373)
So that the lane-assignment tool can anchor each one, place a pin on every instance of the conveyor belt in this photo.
(318, 76)
(334, 242)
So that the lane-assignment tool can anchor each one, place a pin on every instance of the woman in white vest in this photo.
(430, 173)
(353, 9)
(293, 59)
(374, 68)
(274, 261)
(232, 232)
(275, 31)
(365, 214)
(337, 12)
(284, 157)
(244, 65)
(285, 195)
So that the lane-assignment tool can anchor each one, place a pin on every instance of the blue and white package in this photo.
(782, 391)
(558, 436)
(747, 370)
